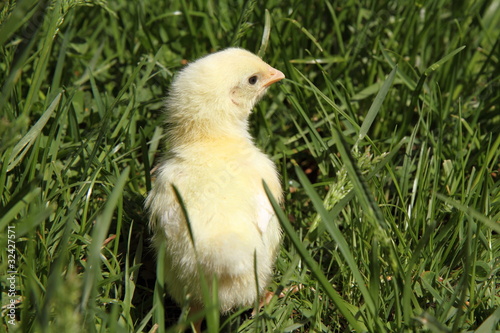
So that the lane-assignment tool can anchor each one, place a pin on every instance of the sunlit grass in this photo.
(385, 133)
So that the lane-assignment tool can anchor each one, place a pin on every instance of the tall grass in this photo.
(386, 134)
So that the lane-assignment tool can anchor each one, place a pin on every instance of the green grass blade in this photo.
(99, 234)
(22, 12)
(470, 212)
(337, 237)
(490, 324)
(22, 147)
(376, 105)
(361, 189)
(158, 310)
(347, 310)
(265, 34)
(40, 73)
(21, 200)
(441, 61)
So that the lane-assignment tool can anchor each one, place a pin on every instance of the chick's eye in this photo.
(252, 79)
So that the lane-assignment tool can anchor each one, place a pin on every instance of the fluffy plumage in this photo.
(217, 169)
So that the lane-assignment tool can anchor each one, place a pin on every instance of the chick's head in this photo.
(220, 88)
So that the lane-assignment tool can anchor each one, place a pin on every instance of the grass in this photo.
(385, 133)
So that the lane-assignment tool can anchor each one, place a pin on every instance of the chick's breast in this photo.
(230, 217)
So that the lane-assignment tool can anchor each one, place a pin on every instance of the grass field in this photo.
(385, 132)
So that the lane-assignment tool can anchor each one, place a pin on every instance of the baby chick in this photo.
(218, 172)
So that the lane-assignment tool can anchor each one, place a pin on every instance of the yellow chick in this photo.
(218, 171)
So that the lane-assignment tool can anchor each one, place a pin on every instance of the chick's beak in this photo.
(273, 76)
